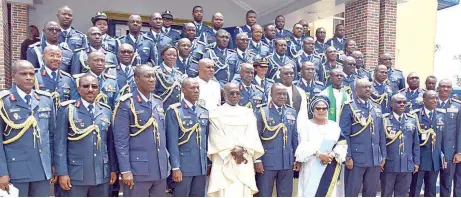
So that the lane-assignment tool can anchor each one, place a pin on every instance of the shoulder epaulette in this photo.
(122, 37)
(441, 110)
(125, 97)
(287, 105)
(318, 83)
(410, 115)
(456, 100)
(65, 103)
(402, 90)
(201, 42)
(109, 76)
(148, 38)
(415, 111)
(157, 97)
(194, 61)
(105, 105)
(78, 31)
(156, 67)
(65, 73)
(300, 52)
(261, 105)
(4, 93)
(78, 75)
(270, 80)
(174, 106)
(174, 30)
(125, 87)
(386, 115)
(231, 50)
(35, 44)
(348, 102)
(397, 70)
(110, 66)
(79, 49)
(259, 88)
(45, 93)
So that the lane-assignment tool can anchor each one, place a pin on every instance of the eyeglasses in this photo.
(401, 102)
(126, 51)
(321, 108)
(53, 29)
(288, 73)
(93, 86)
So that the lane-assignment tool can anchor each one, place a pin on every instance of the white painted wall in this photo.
(447, 58)
(85, 9)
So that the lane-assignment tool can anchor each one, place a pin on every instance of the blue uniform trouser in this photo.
(395, 184)
(33, 189)
(457, 181)
(430, 183)
(446, 179)
(101, 190)
(190, 186)
(355, 177)
(283, 179)
(146, 189)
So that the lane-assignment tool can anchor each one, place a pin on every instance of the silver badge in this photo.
(201, 102)
(16, 116)
(82, 124)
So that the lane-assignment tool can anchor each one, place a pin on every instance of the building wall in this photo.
(85, 9)
(416, 24)
(326, 23)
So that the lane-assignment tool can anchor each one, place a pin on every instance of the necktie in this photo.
(430, 115)
(100, 82)
(399, 119)
(193, 108)
(183, 61)
(27, 97)
(64, 33)
(157, 37)
(54, 75)
(443, 104)
(90, 109)
(127, 69)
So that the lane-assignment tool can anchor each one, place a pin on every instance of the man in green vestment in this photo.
(336, 93)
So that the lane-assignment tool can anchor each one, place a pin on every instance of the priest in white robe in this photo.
(233, 144)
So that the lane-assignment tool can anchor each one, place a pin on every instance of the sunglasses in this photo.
(234, 93)
(126, 51)
(92, 86)
(401, 102)
(321, 108)
(288, 73)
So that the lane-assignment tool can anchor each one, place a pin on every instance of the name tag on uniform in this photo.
(44, 109)
(203, 116)
(15, 110)
(75, 38)
(139, 112)
(290, 117)
(423, 136)
(452, 110)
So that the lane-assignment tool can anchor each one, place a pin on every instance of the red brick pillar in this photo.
(5, 59)
(387, 26)
(362, 25)
(19, 23)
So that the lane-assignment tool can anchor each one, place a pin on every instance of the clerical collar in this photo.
(91, 72)
(144, 97)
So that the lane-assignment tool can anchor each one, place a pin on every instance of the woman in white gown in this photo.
(321, 151)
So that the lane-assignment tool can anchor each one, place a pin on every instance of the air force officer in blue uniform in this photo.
(279, 135)
(187, 126)
(85, 155)
(362, 125)
(139, 136)
(402, 141)
(431, 127)
(26, 157)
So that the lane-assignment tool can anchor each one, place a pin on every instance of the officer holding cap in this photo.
(101, 21)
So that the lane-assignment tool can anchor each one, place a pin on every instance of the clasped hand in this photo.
(237, 154)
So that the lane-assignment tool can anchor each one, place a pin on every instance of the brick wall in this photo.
(5, 61)
(387, 27)
(362, 25)
(19, 21)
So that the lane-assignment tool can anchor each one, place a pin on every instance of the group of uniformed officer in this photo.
(97, 107)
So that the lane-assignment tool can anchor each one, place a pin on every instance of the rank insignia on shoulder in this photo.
(65, 103)
(441, 110)
(175, 105)
(4, 93)
(290, 117)
(42, 92)
(261, 105)
(410, 115)
(104, 104)
(125, 97)
(386, 114)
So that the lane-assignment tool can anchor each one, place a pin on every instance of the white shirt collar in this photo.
(86, 104)
(48, 44)
(197, 24)
(23, 94)
(154, 33)
(104, 36)
(278, 56)
(360, 99)
(276, 107)
(240, 52)
(168, 69)
(305, 54)
(446, 101)
(68, 30)
(144, 97)
(202, 81)
(96, 50)
(189, 103)
(49, 71)
(132, 37)
(249, 27)
(305, 82)
(258, 79)
(397, 116)
(339, 39)
(124, 66)
(182, 59)
(279, 31)
(427, 111)
(166, 30)
(255, 43)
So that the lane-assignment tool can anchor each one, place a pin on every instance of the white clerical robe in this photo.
(232, 126)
